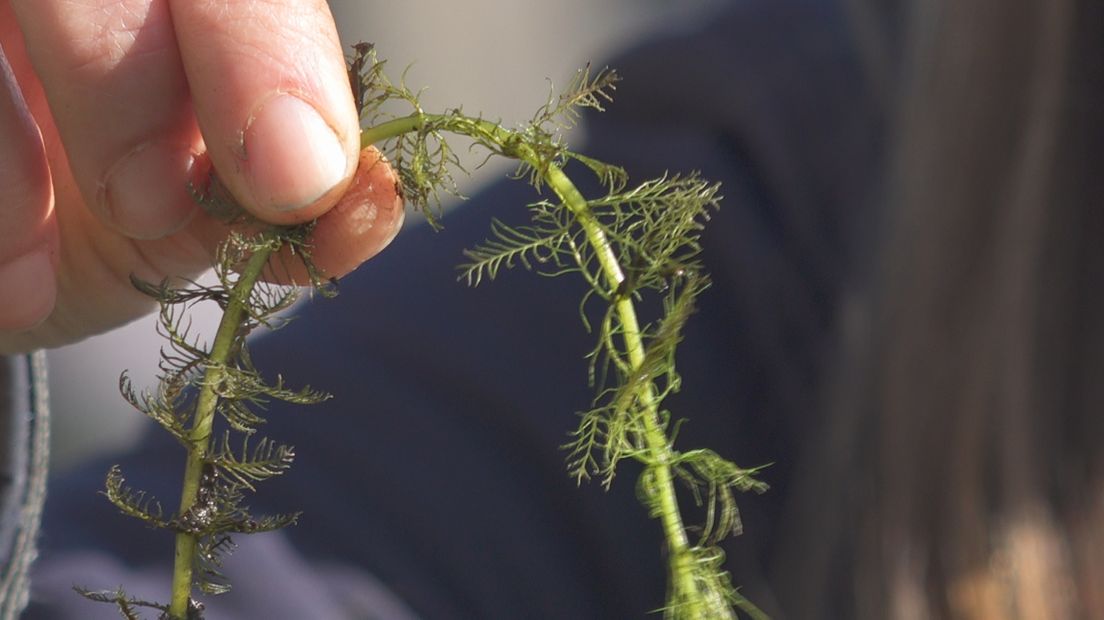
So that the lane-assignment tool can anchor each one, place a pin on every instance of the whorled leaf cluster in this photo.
(228, 449)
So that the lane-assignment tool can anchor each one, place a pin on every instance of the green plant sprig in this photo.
(627, 244)
(622, 244)
(200, 385)
(200, 435)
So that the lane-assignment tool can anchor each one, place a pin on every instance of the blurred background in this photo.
(496, 57)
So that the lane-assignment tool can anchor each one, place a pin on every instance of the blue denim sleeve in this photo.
(24, 457)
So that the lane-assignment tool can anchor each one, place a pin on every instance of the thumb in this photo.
(273, 101)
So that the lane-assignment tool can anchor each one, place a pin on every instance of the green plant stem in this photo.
(655, 439)
(199, 436)
(660, 453)
(394, 128)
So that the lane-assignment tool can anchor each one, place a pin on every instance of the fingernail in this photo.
(145, 194)
(292, 155)
(29, 288)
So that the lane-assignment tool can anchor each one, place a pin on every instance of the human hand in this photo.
(109, 108)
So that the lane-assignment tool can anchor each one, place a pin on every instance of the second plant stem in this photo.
(660, 454)
(199, 436)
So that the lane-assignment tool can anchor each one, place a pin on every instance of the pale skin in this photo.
(109, 108)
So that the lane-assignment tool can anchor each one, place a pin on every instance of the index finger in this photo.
(273, 101)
